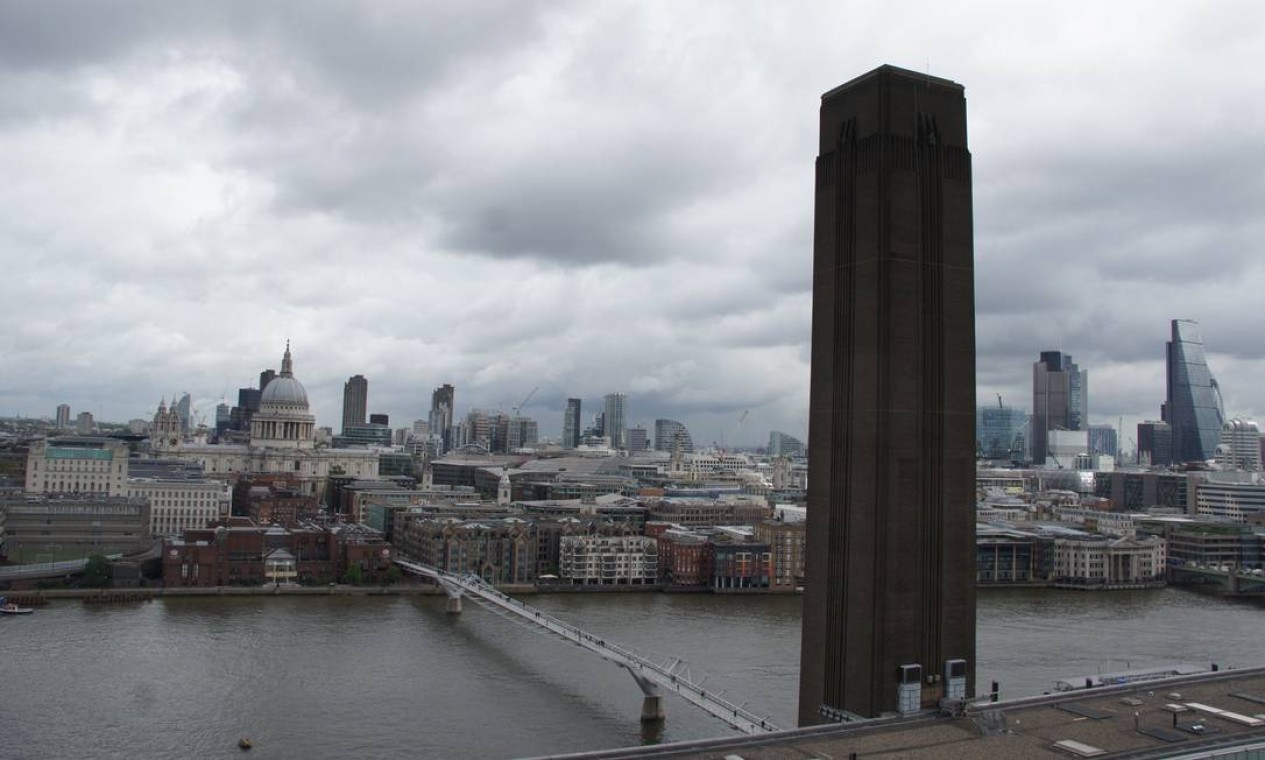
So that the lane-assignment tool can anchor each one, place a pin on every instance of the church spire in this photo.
(287, 365)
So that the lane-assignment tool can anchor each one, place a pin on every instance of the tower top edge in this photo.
(893, 71)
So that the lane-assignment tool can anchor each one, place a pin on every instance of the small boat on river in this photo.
(10, 608)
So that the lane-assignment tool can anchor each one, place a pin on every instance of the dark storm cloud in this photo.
(593, 197)
(366, 53)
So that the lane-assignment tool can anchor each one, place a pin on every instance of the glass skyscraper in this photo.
(571, 424)
(1193, 410)
(616, 426)
(666, 433)
(1000, 432)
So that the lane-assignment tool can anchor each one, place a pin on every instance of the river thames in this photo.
(396, 676)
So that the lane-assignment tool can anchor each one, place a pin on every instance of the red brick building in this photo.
(238, 552)
(685, 560)
(274, 499)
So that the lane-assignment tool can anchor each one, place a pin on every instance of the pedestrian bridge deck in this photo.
(651, 676)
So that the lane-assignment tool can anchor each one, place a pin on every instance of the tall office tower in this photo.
(1060, 399)
(1155, 443)
(84, 424)
(666, 433)
(1103, 440)
(441, 410)
(781, 444)
(1000, 433)
(615, 424)
(184, 408)
(636, 439)
(1240, 447)
(500, 428)
(265, 377)
(889, 598)
(223, 416)
(63, 416)
(571, 424)
(480, 427)
(1193, 410)
(247, 405)
(522, 432)
(355, 401)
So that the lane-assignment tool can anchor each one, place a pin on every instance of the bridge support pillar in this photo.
(652, 702)
(454, 592)
(652, 709)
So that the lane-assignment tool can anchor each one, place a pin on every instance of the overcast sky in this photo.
(596, 196)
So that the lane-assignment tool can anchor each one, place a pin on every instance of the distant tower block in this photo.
(889, 596)
(355, 401)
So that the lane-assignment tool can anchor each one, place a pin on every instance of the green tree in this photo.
(96, 573)
(394, 575)
(353, 575)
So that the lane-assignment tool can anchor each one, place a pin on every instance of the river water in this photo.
(396, 676)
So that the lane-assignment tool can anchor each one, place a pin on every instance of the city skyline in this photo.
(190, 187)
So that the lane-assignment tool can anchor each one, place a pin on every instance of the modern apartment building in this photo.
(608, 560)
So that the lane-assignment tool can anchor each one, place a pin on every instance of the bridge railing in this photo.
(46, 569)
(641, 667)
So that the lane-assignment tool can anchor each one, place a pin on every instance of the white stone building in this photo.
(178, 504)
(1240, 447)
(1107, 562)
(1232, 495)
(73, 464)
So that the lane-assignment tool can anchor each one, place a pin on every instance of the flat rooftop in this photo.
(1217, 711)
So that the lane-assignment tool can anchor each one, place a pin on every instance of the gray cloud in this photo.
(592, 197)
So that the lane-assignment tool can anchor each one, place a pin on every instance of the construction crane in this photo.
(733, 439)
(518, 409)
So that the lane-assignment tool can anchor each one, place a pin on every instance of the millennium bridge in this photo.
(654, 678)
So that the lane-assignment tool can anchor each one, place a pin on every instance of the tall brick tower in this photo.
(889, 605)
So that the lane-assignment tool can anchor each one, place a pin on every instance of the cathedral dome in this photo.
(283, 419)
(284, 390)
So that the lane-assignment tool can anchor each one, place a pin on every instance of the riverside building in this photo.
(77, 464)
(608, 561)
(51, 528)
